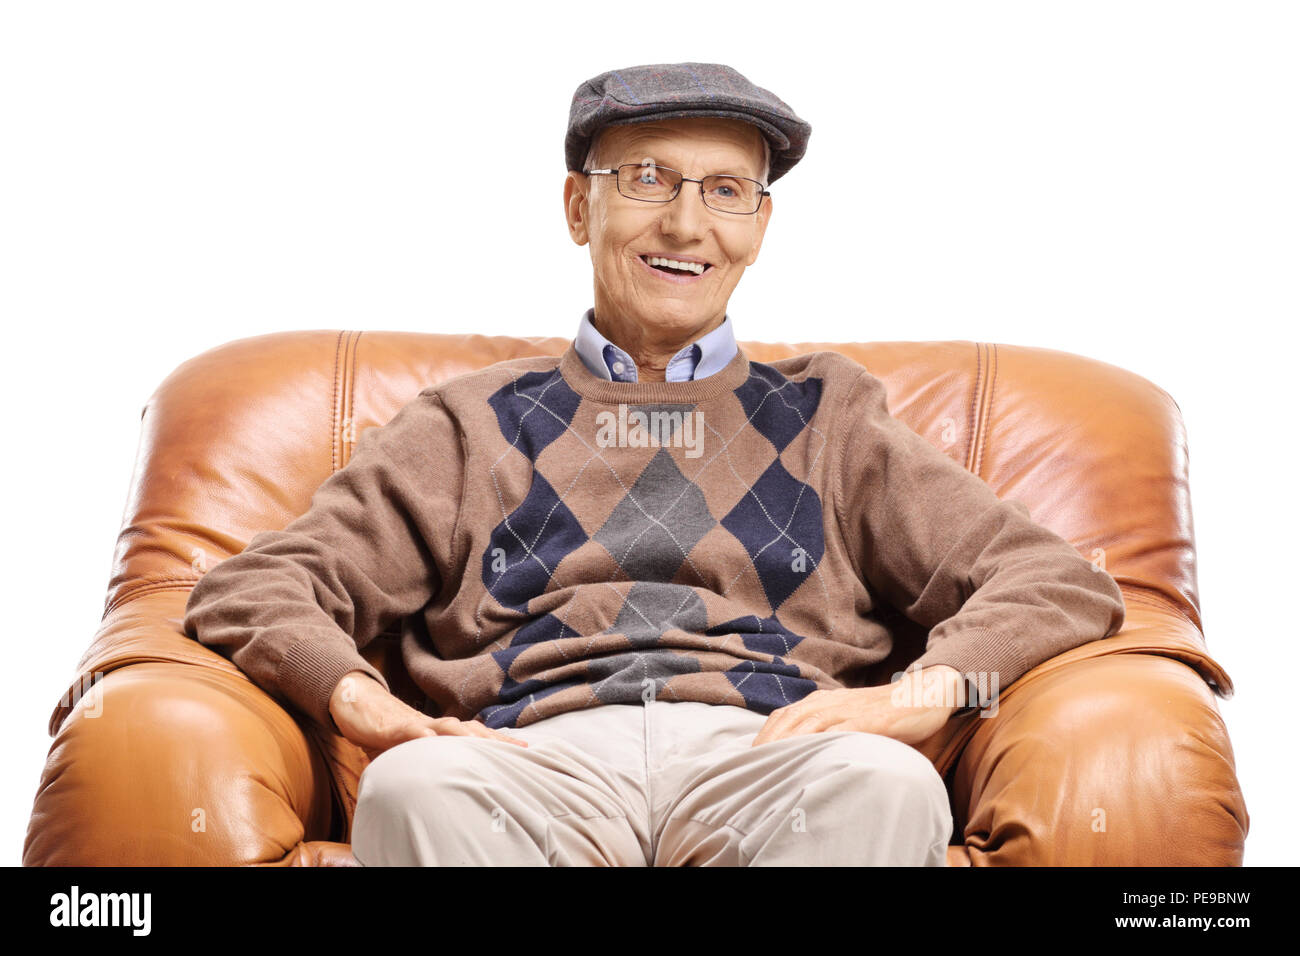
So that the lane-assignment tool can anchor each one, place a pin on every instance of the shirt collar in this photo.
(706, 356)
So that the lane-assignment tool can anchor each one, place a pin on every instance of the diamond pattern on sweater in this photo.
(766, 635)
(778, 407)
(780, 524)
(651, 608)
(620, 678)
(533, 410)
(517, 698)
(527, 545)
(657, 523)
(540, 630)
(664, 503)
(767, 685)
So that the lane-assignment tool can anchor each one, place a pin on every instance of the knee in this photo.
(880, 770)
(873, 800)
(426, 802)
(424, 768)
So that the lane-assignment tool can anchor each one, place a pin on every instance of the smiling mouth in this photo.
(683, 269)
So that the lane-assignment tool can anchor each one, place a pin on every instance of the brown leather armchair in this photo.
(1114, 753)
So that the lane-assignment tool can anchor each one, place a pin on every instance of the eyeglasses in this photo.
(647, 182)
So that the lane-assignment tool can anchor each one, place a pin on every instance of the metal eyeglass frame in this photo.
(762, 190)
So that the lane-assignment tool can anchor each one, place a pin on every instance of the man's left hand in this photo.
(894, 710)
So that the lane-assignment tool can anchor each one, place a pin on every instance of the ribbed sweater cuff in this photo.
(311, 669)
(990, 660)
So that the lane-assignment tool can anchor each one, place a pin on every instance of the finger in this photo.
(448, 727)
(781, 719)
(774, 727)
(809, 725)
(478, 729)
(473, 728)
(812, 724)
(765, 732)
(491, 733)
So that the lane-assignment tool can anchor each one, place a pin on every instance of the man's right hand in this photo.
(375, 720)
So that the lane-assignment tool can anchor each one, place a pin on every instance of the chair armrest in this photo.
(1152, 625)
(1113, 760)
(165, 763)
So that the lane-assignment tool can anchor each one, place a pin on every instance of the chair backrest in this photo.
(237, 439)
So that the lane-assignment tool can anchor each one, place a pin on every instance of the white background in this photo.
(1115, 179)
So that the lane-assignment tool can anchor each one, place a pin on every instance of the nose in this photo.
(686, 217)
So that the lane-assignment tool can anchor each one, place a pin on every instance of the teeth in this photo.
(696, 267)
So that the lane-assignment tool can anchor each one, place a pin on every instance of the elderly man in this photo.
(643, 584)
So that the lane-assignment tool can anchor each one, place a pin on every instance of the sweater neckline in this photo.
(580, 378)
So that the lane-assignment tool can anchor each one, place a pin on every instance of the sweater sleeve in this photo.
(999, 592)
(296, 606)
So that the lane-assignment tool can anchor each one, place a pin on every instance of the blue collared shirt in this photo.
(706, 356)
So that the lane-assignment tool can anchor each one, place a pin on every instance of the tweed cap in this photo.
(667, 90)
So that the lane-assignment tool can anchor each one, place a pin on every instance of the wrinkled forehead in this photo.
(720, 144)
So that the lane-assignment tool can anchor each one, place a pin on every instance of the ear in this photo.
(760, 229)
(575, 206)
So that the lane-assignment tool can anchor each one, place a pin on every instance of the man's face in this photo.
(629, 293)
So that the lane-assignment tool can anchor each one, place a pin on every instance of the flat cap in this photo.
(668, 90)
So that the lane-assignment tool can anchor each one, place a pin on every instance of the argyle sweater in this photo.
(547, 541)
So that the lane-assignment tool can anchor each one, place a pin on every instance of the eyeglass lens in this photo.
(648, 183)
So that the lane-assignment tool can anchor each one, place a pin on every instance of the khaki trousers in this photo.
(664, 784)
